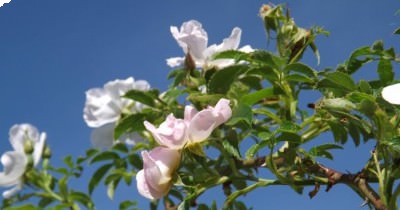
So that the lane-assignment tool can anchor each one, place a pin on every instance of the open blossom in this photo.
(14, 162)
(195, 127)
(391, 94)
(155, 179)
(104, 106)
(193, 39)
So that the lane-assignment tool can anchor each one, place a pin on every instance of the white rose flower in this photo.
(14, 162)
(193, 39)
(104, 106)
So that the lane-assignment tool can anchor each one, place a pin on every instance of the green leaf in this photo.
(83, 199)
(252, 151)
(106, 155)
(339, 80)
(339, 132)
(231, 54)
(222, 80)
(111, 186)
(98, 176)
(62, 184)
(241, 113)
(23, 207)
(127, 204)
(121, 147)
(299, 78)
(135, 160)
(397, 31)
(128, 124)
(257, 96)
(385, 71)
(301, 68)
(231, 149)
(322, 150)
(144, 97)
(266, 58)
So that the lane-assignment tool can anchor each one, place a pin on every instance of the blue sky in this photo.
(51, 52)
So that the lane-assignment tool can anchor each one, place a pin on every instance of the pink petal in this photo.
(202, 125)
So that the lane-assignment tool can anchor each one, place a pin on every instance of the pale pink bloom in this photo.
(104, 106)
(155, 179)
(193, 39)
(391, 94)
(14, 162)
(195, 127)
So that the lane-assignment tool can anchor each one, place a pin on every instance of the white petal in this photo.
(20, 133)
(391, 94)
(14, 164)
(192, 38)
(131, 138)
(100, 108)
(103, 137)
(38, 149)
(175, 62)
(117, 88)
(246, 49)
(9, 193)
(232, 42)
(142, 85)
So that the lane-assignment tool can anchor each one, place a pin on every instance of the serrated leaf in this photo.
(231, 149)
(322, 150)
(98, 176)
(112, 182)
(221, 81)
(256, 96)
(266, 58)
(385, 71)
(231, 54)
(106, 155)
(144, 97)
(340, 80)
(128, 124)
(127, 204)
(301, 68)
(252, 151)
(338, 131)
(83, 199)
(241, 113)
(299, 78)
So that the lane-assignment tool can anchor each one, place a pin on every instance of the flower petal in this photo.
(202, 125)
(20, 133)
(222, 110)
(144, 188)
(192, 38)
(232, 42)
(14, 164)
(391, 94)
(153, 175)
(103, 137)
(100, 108)
(9, 193)
(175, 61)
(170, 133)
(38, 149)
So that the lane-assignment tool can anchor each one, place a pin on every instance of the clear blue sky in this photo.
(51, 52)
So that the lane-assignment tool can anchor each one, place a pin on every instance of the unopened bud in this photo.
(29, 164)
(339, 104)
(28, 147)
(264, 10)
(46, 152)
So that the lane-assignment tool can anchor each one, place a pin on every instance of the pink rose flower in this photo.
(155, 179)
